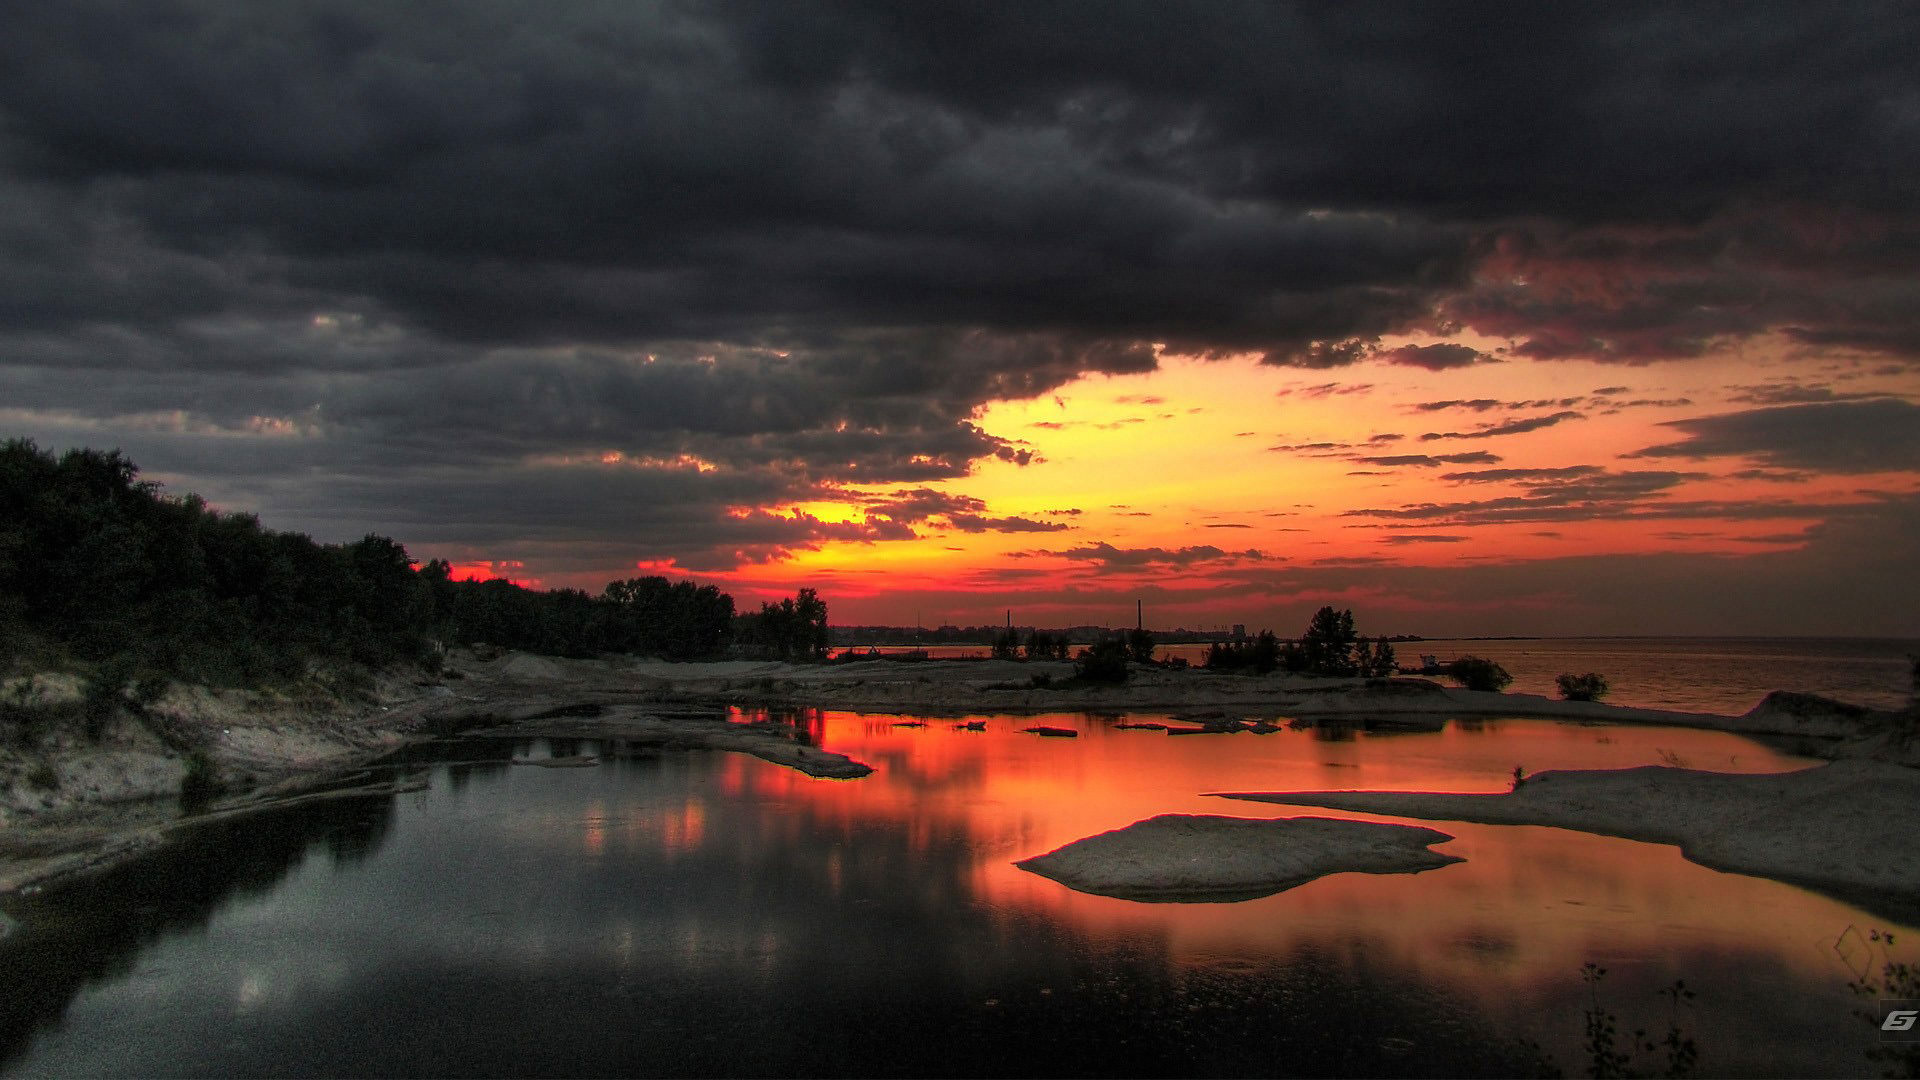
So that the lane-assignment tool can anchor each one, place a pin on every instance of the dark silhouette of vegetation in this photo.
(1330, 646)
(1140, 645)
(1375, 659)
(1609, 1056)
(677, 620)
(1475, 673)
(1045, 646)
(793, 629)
(200, 783)
(1897, 979)
(1006, 646)
(1104, 662)
(1588, 687)
(1327, 646)
(100, 571)
(1260, 655)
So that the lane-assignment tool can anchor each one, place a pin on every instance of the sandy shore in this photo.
(1845, 829)
(1202, 858)
(69, 797)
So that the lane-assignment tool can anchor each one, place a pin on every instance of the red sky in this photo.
(1556, 319)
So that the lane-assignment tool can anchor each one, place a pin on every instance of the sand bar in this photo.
(1203, 858)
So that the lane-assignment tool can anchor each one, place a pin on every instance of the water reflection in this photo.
(705, 913)
(93, 930)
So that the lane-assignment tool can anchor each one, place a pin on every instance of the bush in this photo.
(1105, 662)
(1475, 673)
(1588, 687)
(43, 777)
(25, 715)
(200, 783)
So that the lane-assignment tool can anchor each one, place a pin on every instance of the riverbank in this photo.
(69, 802)
(1844, 829)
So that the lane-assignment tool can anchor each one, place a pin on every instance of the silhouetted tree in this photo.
(1260, 654)
(1045, 646)
(1328, 643)
(97, 564)
(1006, 646)
(1105, 661)
(1140, 645)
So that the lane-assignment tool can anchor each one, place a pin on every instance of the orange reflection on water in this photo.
(1515, 920)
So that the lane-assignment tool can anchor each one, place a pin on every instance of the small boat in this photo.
(1054, 732)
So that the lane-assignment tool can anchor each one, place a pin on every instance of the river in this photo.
(704, 913)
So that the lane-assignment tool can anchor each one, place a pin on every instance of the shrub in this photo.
(1105, 662)
(25, 714)
(200, 783)
(100, 699)
(1588, 687)
(43, 777)
(1475, 673)
(1006, 645)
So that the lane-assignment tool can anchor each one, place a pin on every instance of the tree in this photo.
(1006, 645)
(1262, 654)
(793, 629)
(1105, 661)
(1044, 646)
(1140, 645)
(1327, 646)
(1376, 662)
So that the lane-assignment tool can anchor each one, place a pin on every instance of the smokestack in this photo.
(1139, 614)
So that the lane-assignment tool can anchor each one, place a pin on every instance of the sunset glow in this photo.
(1581, 322)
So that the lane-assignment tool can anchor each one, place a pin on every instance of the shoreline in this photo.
(119, 796)
(1842, 829)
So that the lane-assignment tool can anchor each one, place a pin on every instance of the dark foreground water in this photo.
(675, 913)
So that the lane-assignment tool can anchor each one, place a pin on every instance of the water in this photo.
(1717, 675)
(702, 913)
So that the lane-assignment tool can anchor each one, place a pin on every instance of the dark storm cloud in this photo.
(976, 523)
(1495, 476)
(1434, 357)
(1582, 496)
(1843, 437)
(1427, 461)
(409, 239)
(1514, 427)
(1794, 393)
(1108, 557)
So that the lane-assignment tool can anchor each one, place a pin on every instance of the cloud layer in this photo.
(592, 284)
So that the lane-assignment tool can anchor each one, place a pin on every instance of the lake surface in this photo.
(1690, 674)
(704, 913)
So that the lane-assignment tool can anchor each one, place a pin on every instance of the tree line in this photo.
(1329, 646)
(98, 565)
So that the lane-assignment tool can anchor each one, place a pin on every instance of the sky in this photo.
(1475, 319)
